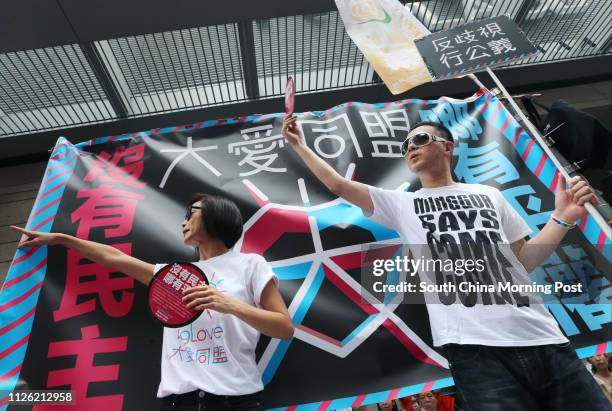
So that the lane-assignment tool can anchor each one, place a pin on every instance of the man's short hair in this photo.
(221, 218)
(443, 132)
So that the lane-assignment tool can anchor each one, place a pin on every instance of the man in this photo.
(501, 356)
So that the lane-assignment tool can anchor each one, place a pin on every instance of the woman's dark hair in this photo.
(444, 132)
(221, 218)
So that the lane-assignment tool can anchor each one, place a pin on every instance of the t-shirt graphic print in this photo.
(457, 223)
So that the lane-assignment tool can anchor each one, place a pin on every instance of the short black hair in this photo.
(444, 132)
(221, 218)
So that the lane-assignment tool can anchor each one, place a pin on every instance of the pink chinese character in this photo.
(83, 373)
(106, 207)
(102, 286)
(124, 166)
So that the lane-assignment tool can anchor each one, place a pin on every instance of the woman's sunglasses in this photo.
(419, 140)
(190, 211)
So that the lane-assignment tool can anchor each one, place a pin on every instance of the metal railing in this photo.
(79, 84)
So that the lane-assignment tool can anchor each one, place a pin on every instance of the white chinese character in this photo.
(455, 54)
(494, 29)
(192, 280)
(184, 274)
(483, 32)
(169, 278)
(177, 284)
(476, 52)
(502, 45)
(379, 127)
(324, 143)
(258, 149)
(187, 151)
(175, 269)
(443, 43)
(467, 37)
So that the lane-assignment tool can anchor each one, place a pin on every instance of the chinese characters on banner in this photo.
(473, 47)
(107, 204)
(292, 220)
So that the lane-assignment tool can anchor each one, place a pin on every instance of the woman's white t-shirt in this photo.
(216, 353)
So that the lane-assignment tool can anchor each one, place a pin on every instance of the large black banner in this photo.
(67, 323)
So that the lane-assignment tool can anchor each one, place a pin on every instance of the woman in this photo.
(210, 363)
(601, 372)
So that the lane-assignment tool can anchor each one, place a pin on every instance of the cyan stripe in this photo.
(358, 329)
(11, 337)
(293, 272)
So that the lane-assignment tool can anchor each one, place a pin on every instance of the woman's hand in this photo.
(291, 132)
(36, 238)
(206, 297)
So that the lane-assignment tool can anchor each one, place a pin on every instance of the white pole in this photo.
(536, 134)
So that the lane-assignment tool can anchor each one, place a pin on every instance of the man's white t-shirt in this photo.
(457, 212)
(216, 353)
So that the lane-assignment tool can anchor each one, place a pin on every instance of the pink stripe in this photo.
(583, 222)
(601, 241)
(63, 163)
(24, 275)
(14, 346)
(64, 154)
(393, 394)
(506, 124)
(24, 256)
(496, 112)
(601, 349)
(45, 221)
(11, 373)
(360, 399)
(428, 386)
(324, 405)
(17, 322)
(63, 173)
(19, 299)
(349, 292)
(45, 207)
(555, 180)
(517, 135)
(527, 150)
(408, 343)
(46, 193)
(291, 408)
(327, 338)
(540, 165)
(486, 103)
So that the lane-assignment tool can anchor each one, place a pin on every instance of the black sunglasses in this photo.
(420, 140)
(190, 211)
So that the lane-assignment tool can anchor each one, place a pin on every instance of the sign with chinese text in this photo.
(67, 323)
(473, 47)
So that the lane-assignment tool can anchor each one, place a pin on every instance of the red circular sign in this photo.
(166, 293)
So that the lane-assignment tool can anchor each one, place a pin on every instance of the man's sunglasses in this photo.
(190, 211)
(419, 140)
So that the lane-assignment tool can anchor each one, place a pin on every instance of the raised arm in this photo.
(569, 207)
(100, 253)
(352, 191)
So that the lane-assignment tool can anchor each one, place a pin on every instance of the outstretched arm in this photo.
(354, 192)
(100, 253)
(569, 207)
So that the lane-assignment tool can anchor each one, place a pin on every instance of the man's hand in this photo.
(205, 297)
(570, 202)
(36, 238)
(291, 132)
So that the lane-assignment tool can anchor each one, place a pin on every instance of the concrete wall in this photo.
(18, 188)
